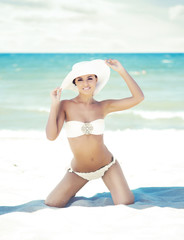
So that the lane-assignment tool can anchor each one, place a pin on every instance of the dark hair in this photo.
(75, 79)
(74, 82)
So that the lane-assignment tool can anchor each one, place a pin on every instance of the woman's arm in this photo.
(125, 103)
(56, 116)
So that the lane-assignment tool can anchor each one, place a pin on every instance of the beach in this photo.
(31, 166)
(147, 140)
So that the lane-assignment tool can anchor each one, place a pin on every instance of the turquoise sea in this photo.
(27, 79)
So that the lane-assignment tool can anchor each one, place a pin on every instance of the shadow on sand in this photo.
(144, 198)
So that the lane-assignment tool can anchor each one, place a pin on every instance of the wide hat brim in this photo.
(97, 67)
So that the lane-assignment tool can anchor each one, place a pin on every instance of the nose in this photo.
(85, 82)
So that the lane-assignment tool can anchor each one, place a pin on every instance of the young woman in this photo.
(84, 122)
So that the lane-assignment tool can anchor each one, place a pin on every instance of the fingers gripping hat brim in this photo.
(97, 67)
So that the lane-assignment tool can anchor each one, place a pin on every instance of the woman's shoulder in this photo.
(66, 103)
(105, 102)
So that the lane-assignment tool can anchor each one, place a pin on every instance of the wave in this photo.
(142, 113)
(159, 114)
(29, 109)
(153, 115)
(39, 109)
(166, 61)
(136, 73)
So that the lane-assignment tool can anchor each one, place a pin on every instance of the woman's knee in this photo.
(53, 202)
(59, 202)
(124, 200)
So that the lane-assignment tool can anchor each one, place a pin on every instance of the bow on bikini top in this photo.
(77, 128)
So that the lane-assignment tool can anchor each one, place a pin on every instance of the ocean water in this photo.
(27, 79)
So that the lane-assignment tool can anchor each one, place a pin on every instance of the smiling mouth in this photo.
(86, 88)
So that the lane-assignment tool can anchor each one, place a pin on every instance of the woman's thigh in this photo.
(65, 190)
(115, 181)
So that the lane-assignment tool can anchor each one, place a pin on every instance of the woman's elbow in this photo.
(50, 137)
(139, 99)
(142, 97)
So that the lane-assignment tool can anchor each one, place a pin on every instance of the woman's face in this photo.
(86, 84)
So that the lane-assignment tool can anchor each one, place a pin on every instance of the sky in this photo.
(91, 26)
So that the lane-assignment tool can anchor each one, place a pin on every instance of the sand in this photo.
(31, 166)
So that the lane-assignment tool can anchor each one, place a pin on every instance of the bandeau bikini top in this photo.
(77, 128)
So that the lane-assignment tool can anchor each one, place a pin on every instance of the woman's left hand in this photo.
(114, 64)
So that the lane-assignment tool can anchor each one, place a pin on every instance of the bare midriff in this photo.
(90, 153)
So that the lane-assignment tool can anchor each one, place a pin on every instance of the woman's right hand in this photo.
(55, 95)
(114, 64)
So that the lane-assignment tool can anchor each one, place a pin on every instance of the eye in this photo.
(90, 78)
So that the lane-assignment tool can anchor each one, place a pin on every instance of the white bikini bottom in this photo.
(96, 174)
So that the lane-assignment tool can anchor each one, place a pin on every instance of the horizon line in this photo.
(91, 52)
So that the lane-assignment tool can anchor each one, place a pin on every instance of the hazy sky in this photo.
(91, 26)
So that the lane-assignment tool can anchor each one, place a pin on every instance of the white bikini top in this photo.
(77, 128)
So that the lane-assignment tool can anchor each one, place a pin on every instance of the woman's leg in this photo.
(116, 183)
(65, 190)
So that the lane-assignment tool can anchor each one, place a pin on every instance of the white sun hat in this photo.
(97, 67)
